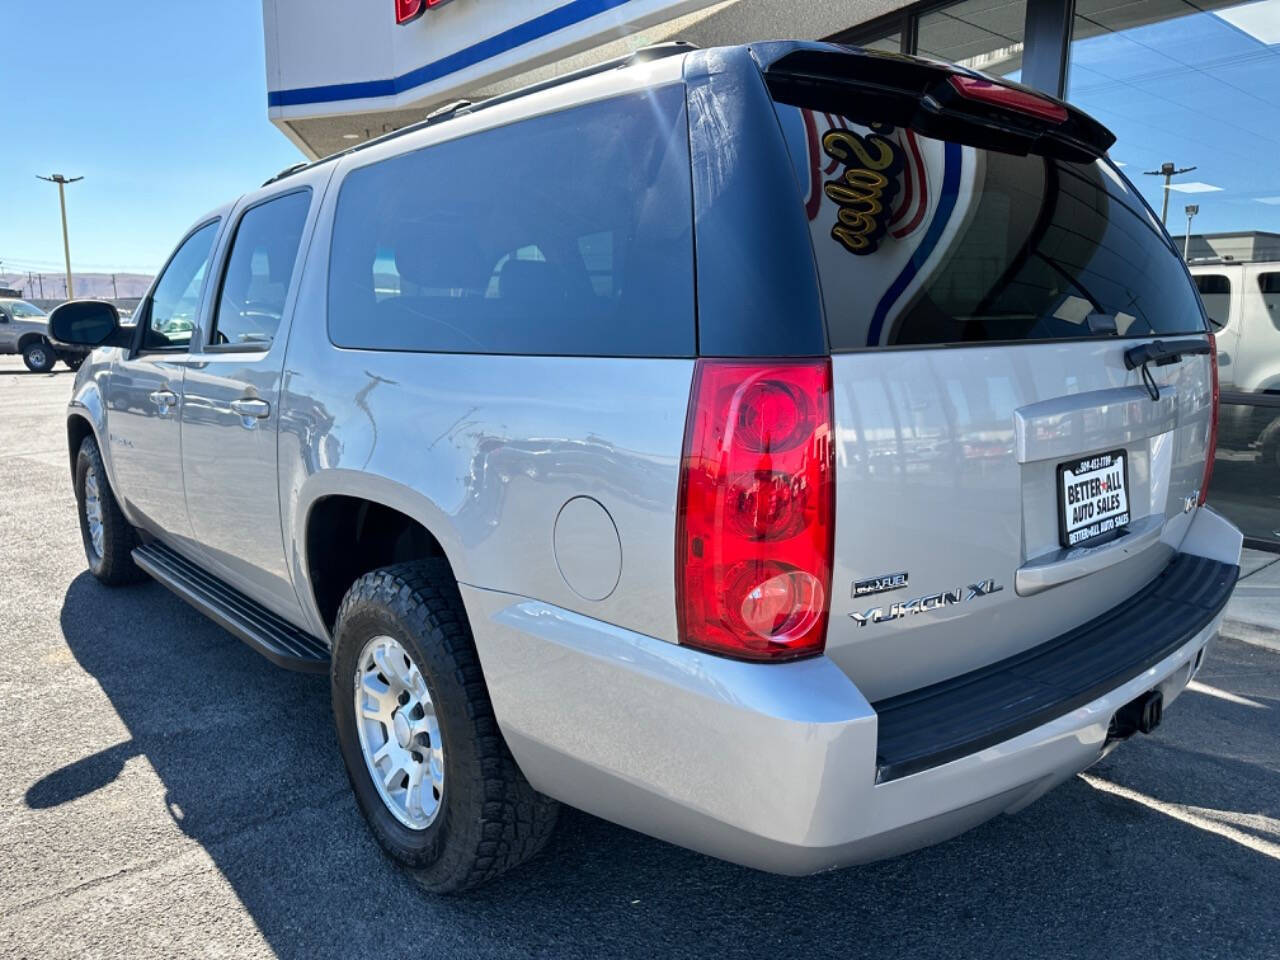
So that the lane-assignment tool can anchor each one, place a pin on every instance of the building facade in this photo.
(1191, 90)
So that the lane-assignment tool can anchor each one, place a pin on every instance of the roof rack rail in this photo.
(447, 111)
(288, 171)
(656, 51)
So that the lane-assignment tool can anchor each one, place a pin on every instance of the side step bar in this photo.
(275, 638)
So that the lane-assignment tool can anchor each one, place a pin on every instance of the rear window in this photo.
(921, 241)
(565, 234)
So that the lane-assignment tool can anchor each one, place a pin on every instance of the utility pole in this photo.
(1168, 171)
(40, 280)
(62, 181)
(116, 293)
(1191, 210)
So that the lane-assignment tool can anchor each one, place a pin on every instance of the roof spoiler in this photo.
(938, 99)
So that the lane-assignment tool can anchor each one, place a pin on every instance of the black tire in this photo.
(490, 818)
(1269, 441)
(38, 356)
(113, 565)
(73, 361)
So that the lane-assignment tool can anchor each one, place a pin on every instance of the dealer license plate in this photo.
(1093, 497)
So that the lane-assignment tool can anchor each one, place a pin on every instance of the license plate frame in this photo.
(1098, 526)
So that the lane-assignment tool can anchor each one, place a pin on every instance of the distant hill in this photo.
(95, 285)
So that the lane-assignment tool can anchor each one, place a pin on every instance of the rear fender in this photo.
(364, 486)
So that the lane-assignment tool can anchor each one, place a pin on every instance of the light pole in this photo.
(1191, 210)
(62, 181)
(1168, 171)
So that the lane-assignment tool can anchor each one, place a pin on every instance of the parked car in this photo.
(1243, 304)
(24, 329)
(790, 451)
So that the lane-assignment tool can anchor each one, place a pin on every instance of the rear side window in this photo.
(921, 241)
(259, 269)
(566, 234)
(1269, 285)
(1215, 293)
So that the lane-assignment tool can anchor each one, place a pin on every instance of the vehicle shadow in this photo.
(246, 755)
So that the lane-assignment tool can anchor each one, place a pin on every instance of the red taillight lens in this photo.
(1010, 98)
(1211, 449)
(757, 509)
(407, 10)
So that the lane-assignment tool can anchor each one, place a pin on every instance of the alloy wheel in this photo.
(399, 733)
(93, 511)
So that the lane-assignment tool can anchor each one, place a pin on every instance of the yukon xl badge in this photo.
(932, 601)
(880, 584)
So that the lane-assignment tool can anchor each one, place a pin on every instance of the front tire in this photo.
(38, 356)
(411, 709)
(108, 537)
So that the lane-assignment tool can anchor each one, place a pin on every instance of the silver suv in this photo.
(790, 451)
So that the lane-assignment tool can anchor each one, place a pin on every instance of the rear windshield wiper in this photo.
(1161, 354)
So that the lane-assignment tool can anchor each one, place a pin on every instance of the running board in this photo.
(275, 638)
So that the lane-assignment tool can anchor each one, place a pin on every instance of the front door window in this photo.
(177, 294)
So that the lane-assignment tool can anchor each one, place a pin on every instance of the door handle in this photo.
(164, 399)
(251, 408)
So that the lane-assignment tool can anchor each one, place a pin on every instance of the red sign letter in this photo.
(407, 10)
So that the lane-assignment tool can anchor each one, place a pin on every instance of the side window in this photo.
(1269, 286)
(259, 269)
(1215, 291)
(177, 294)
(565, 234)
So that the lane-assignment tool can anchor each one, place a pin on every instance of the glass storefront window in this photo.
(1195, 86)
(982, 34)
(890, 43)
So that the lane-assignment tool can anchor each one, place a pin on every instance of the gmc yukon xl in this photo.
(791, 451)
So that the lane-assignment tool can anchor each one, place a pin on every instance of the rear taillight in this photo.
(1010, 98)
(756, 515)
(1211, 449)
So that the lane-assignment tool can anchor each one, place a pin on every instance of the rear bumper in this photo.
(770, 765)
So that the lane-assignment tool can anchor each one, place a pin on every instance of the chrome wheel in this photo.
(37, 357)
(399, 733)
(93, 511)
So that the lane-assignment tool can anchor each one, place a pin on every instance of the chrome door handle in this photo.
(251, 408)
(164, 399)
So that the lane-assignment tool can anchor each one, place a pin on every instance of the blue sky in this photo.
(161, 106)
(1197, 90)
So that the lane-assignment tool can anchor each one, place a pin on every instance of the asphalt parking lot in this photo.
(167, 792)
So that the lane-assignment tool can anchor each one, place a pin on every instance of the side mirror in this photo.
(88, 323)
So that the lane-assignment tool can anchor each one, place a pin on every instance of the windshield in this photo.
(20, 308)
(921, 241)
